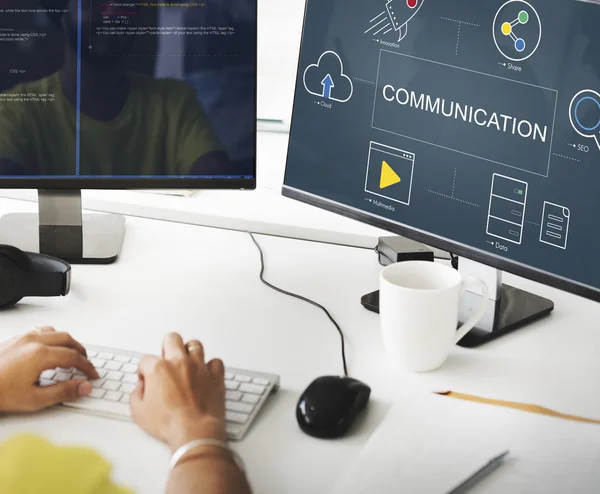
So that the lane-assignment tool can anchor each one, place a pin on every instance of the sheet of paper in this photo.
(428, 444)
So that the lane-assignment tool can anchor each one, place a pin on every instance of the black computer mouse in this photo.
(330, 404)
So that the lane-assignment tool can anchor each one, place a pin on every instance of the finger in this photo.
(67, 357)
(173, 347)
(44, 329)
(196, 351)
(62, 339)
(61, 392)
(135, 400)
(146, 365)
(217, 369)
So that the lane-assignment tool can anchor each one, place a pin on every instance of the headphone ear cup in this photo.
(20, 258)
(8, 298)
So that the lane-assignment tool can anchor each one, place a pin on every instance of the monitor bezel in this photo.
(117, 183)
(432, 240)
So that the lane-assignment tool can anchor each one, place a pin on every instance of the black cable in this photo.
(299, 297)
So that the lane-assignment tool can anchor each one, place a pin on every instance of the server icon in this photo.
(506, 214)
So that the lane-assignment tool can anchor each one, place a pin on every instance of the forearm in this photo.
(208, 473)
(208, 469)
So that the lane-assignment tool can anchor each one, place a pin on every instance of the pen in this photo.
(479, 474)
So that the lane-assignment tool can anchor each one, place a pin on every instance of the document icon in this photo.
(555, 225)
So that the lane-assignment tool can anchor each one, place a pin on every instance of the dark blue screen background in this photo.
(543, 209)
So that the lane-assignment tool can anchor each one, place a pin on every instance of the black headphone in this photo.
(25, 274)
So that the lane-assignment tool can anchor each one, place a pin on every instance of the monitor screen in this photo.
(473, 126)
(127, 90)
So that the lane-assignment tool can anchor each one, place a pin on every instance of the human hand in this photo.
(180, 398)
(24, 358)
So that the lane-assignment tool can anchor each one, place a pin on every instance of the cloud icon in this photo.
(326, 78)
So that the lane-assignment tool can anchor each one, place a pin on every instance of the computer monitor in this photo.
(121, 95)
(473, 127)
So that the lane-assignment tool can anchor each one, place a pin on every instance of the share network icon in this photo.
(508, 30)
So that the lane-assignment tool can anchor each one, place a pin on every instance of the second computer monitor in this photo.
(113, 95)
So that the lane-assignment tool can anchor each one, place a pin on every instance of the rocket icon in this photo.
(400, 12)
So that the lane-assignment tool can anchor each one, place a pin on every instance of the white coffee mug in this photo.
(418, 306)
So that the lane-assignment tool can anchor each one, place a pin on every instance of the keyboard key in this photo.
(260, 381)
(125, 399)
(122, 359)
(111, 385)
(79, 375)
(129, 369)
(101, 372)
(127, 388)
(229, 376)
(130, 378)
(97, 393)
(235, 406)
(62, 376)
(115, 366)
(231, 385)
(48, 374)
(61, 369)
(243, 379)
(114, 376)
(233, 430)
(233, 395)
(98, 363)
(46, 382)
(134, 361)
(252, 399)
(105, 356)
(252, 388)
(98, 383)
(237, 418)
(91, 353)
(113, 396)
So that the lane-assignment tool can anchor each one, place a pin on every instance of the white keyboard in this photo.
(246, 391)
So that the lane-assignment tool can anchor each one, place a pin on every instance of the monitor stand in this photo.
(508, 308)
(62, 230)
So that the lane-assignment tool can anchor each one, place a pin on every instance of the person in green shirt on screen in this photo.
(179, 398)
(130, 124)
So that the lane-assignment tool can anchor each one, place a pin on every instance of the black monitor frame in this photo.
(435, 241)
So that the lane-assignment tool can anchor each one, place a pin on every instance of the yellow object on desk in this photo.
(519, 406)
(31, 465)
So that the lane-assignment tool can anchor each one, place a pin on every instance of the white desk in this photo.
(204, 283)
(264, 210)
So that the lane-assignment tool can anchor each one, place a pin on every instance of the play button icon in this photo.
(388, 176)
(390, 173)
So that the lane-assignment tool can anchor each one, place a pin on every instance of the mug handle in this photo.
(474, 319)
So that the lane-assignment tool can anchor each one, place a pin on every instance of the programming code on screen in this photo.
(95, 88)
